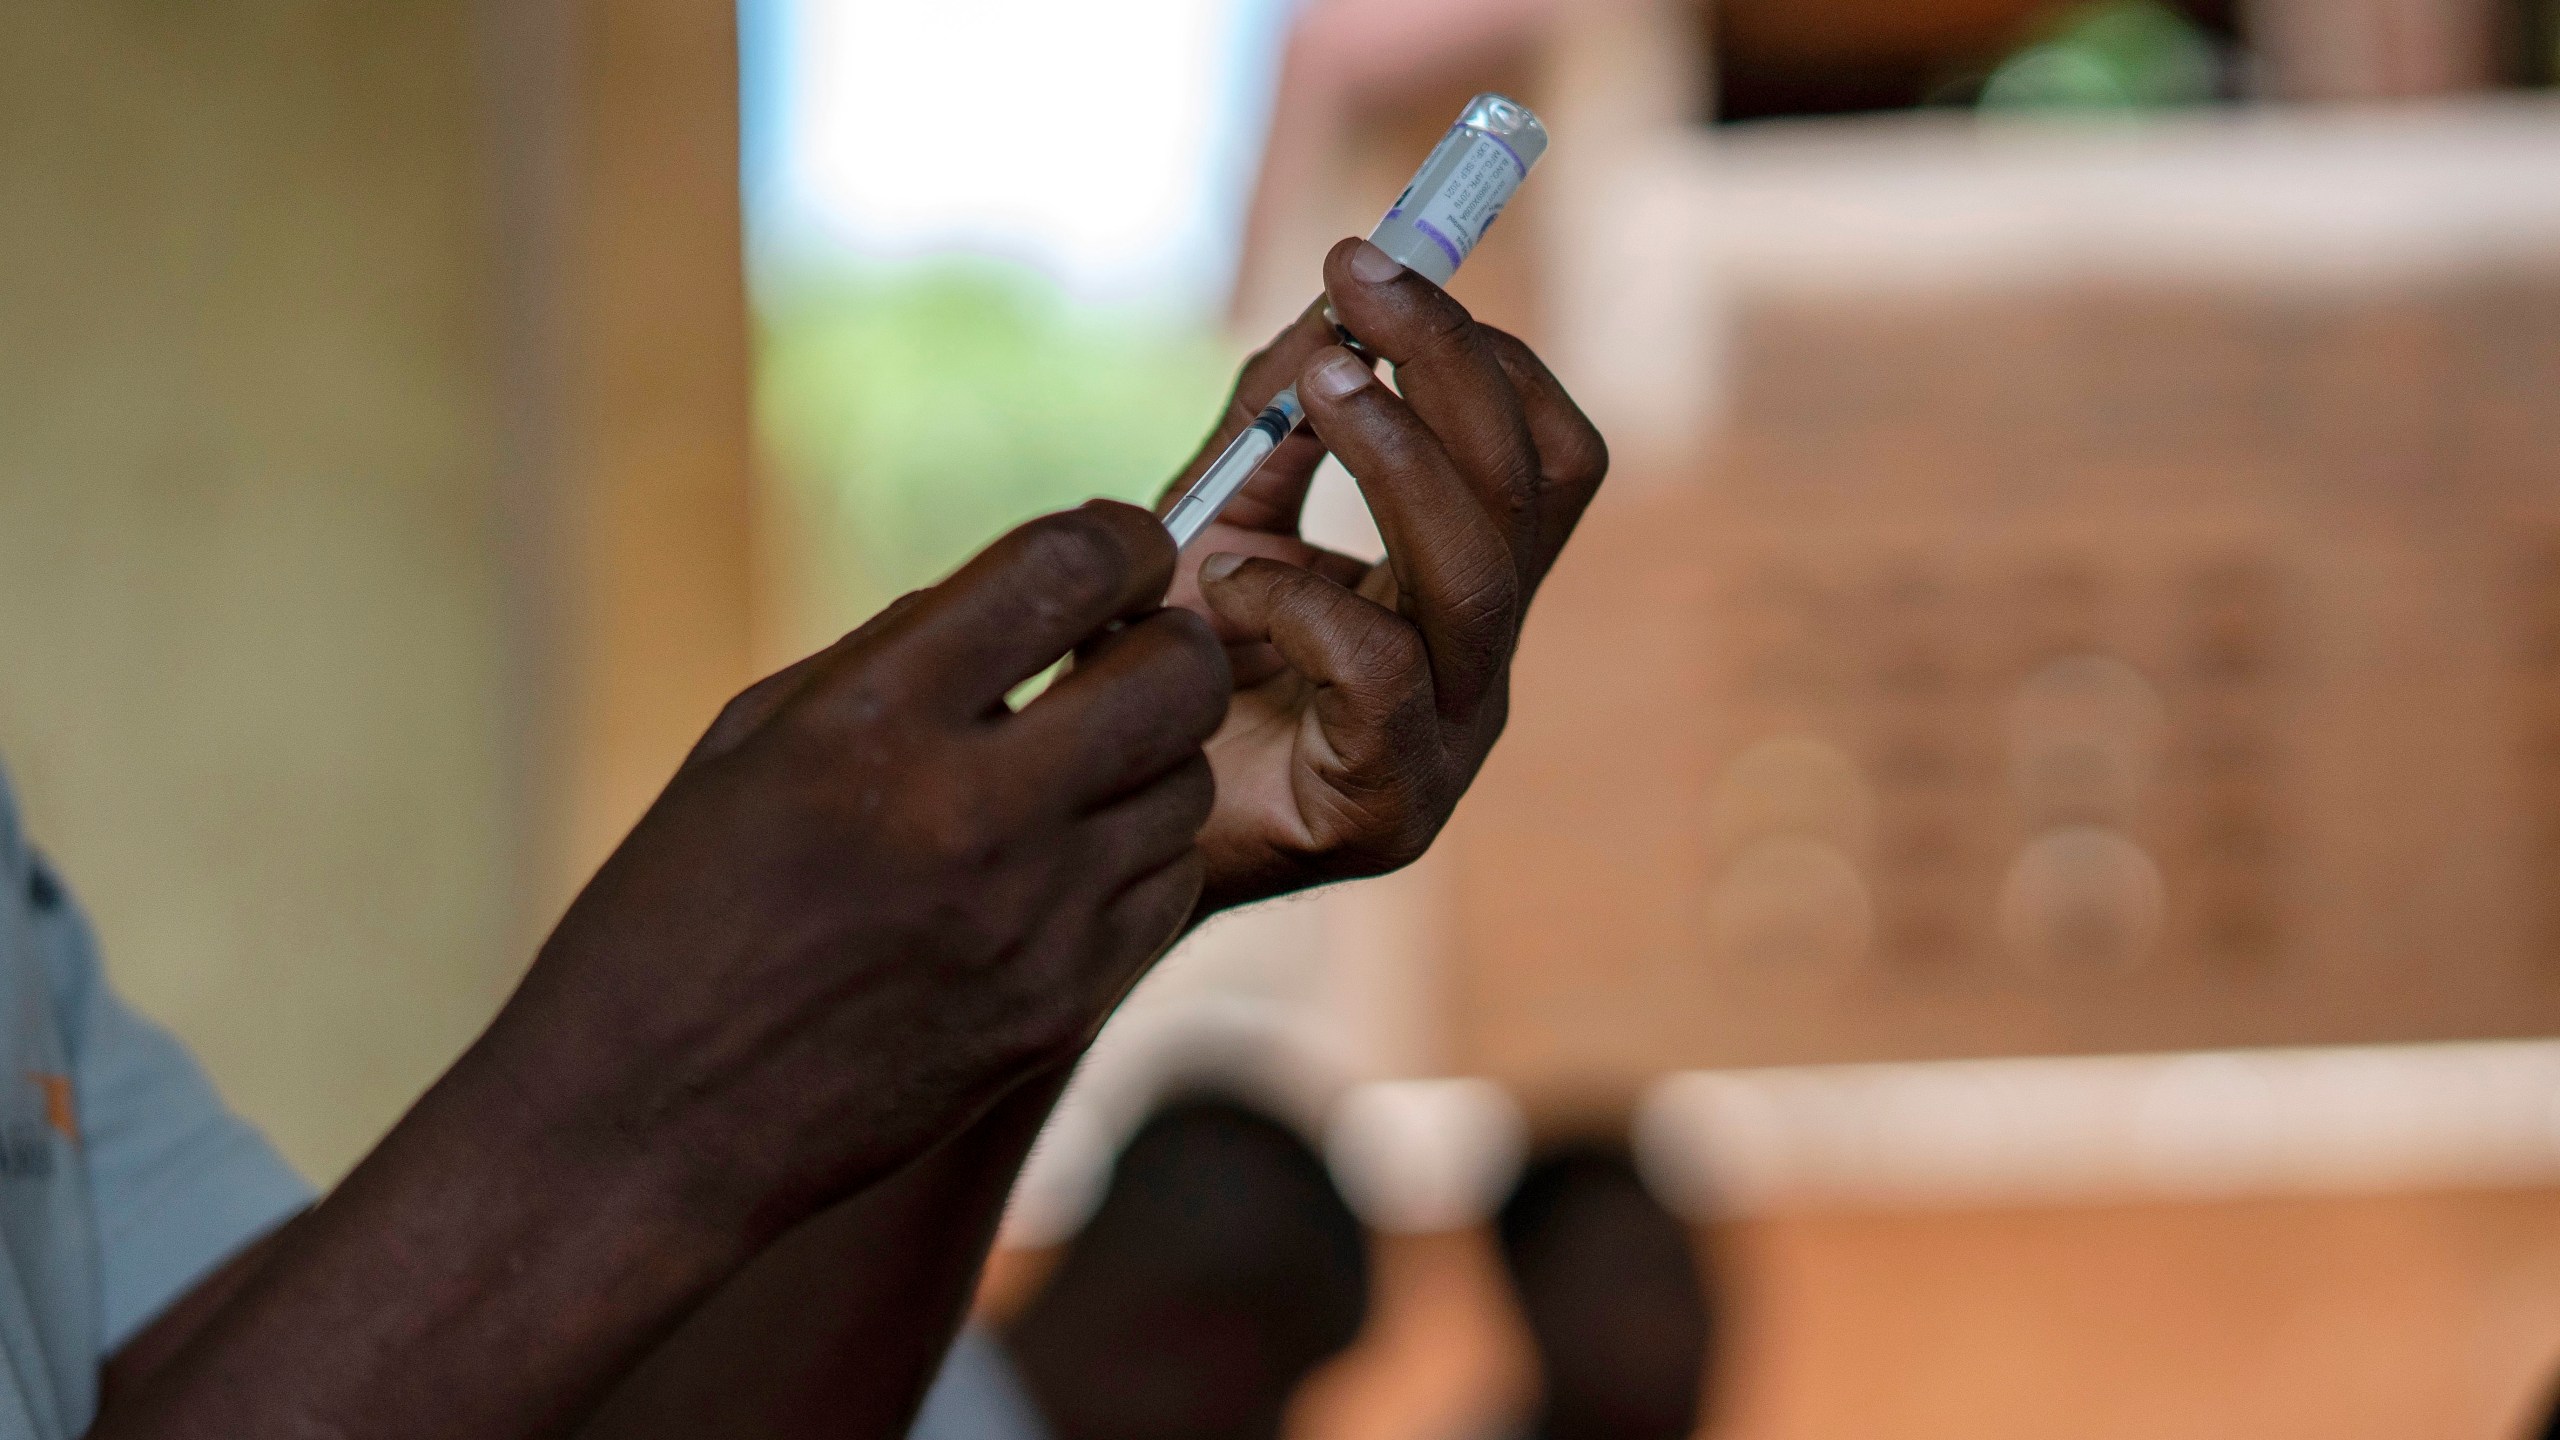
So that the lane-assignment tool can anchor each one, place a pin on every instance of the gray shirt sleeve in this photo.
(177, 1182)
(978, 1397)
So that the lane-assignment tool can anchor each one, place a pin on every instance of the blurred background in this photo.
(2033, 806)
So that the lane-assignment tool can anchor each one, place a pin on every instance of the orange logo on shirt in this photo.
(58, 1109)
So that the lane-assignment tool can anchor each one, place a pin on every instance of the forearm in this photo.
(838, 1329)
(872, 901)
(488, 1271)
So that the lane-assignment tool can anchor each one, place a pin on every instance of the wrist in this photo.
(1234, 881)
(627, 1164)
(1248, 875)
(496, 1252)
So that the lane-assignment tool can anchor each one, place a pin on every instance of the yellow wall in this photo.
(252, 644)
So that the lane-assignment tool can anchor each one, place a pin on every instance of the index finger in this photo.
(1447, 371)
(1022, 603)
(1573, 458)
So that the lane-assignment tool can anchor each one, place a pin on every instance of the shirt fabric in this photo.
(123, 1177)
(978, 1396)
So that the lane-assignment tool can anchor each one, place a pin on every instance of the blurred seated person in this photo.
(1610, 1287)
(1221, 1269)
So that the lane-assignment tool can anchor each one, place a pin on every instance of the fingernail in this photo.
(1373, 266)
(1220, 566)
(1341, 375)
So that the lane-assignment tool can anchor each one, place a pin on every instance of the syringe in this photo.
(1431, 229)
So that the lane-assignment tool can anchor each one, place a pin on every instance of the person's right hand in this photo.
(875, 896)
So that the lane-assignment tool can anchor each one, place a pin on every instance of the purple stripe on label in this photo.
(1506, 149)
(1456, 255)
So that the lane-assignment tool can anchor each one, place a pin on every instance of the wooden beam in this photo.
(634, 480)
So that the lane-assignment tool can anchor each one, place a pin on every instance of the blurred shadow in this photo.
(1614, 1297)
(1221, 1269)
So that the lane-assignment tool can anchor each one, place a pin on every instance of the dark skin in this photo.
(729, 1162)
(872, 901)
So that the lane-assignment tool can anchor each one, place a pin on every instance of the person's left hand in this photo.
(1368, 696)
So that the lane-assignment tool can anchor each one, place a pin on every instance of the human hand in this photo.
(1368, 696)
(875, 897)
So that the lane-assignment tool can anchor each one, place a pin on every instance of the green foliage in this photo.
(920, 410)
(2113, 55)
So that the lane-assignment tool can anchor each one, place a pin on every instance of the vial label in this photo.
(1479, 177)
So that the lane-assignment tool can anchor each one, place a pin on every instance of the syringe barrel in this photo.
(1461, 189)
(1454, 198)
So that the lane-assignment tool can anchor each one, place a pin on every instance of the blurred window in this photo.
(991, 243)
(1779, 58)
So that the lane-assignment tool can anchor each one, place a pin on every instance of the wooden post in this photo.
(2374, 49)
(631, 424)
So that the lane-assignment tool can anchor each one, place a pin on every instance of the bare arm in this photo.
(839, 1329)
(1366, 699)
(873, 905)
(792, 1345)
(160, 1341)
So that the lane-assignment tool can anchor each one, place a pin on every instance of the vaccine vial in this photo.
(1433, 226)
(1460, 190)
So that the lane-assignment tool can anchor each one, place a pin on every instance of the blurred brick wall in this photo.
(2089, 668)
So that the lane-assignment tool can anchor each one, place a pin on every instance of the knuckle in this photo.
(743, 712)
(1144, 544)
(1517, 359)
(1148, 914)
(1387, 650)
(1195, 793)
(1049, 1025)
(1581, 455)
(1197, 648)
(1410, 839)
(1390, 837)
(1446, 330)
(1396, 850)
(1183, 629)
(1029, 1032)
(854, 705)
(947, 819)
(1584, 462)
(1190, 664)
(1078, 552)
(1486, 597)
(887, 616)
(1161, 824)
(951, 833)
(1517, 482)
(1519, 362)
